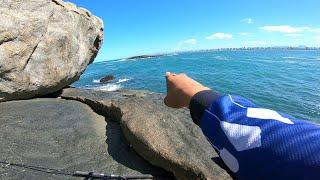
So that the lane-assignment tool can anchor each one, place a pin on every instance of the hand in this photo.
(180, 90)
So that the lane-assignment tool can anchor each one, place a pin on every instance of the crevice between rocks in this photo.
(112, 112)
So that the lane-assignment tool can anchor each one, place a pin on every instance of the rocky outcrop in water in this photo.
(107, 79)
(45, 45)
(144, 57)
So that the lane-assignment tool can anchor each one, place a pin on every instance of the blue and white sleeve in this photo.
(257, 143)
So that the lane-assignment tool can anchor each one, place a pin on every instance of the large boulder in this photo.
(45, 45)
(64, 135)
(163, 136)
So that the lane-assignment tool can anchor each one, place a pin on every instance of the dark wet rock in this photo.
(45, 45)
(66, 135)
(163, 136)
(107, 79)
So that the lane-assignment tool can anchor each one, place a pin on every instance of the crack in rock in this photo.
(111, 112)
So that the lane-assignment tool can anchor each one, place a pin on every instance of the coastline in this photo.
(271, 48)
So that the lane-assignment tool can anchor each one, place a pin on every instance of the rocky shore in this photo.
(45, 45)
(124, 132)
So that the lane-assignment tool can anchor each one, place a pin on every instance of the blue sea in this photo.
(285, 80)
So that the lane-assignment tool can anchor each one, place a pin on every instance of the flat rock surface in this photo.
(66, 135)
(45, 45)
(165, 137)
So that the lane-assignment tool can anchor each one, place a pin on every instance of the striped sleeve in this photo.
(258, 143)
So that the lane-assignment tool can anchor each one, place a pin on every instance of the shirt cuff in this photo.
(199, 102)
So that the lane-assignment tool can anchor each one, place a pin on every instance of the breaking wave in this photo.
(107, 87)
(121, 80)
(124, 80)
(289, 57)
(96, 81)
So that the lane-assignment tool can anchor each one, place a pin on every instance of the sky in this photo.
(136, 27)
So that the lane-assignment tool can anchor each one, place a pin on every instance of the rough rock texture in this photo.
(165, 137)
(66, 135)
(45, 45)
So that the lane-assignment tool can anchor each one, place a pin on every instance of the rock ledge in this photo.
(165, 137)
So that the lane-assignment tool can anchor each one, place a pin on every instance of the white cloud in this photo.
(247, 20)
(293, 35)
(284, 29)
(314, 30)
(188, 44)
(317, 38)
(190, 41)
(221, 36)
(295, 31)
(244, 34)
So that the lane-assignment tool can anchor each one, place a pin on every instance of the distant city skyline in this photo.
(151, 27)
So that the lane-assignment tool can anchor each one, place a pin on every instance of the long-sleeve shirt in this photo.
(257, 143)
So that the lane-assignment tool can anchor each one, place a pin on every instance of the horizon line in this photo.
(301, 47)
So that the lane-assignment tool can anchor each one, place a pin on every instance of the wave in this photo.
(119, 60)
(121, 80)
(289, 57)
(301, 58)
(107, 87)
(173, 54)
(124, 80)
(291, 62)
(96, 81)
(127, 60)
(220, 58)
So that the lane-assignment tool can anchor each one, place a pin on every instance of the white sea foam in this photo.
(124, 80)
(221, 58)
(298, 58)
(96, 81)
(173, 54)
(291, 62)
(289, 57)
(121, 80)
(107, 87)
(122, 60)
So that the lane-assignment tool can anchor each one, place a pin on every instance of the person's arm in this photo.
(254, 143)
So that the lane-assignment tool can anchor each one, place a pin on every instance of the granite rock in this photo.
(163, 136)
(66, 135)
(45, 45)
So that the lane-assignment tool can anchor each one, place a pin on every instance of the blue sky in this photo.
(135, 27)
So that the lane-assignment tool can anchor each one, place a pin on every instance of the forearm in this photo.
(255, 142)
(200, 102)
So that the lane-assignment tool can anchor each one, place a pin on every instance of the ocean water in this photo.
(285, 80)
